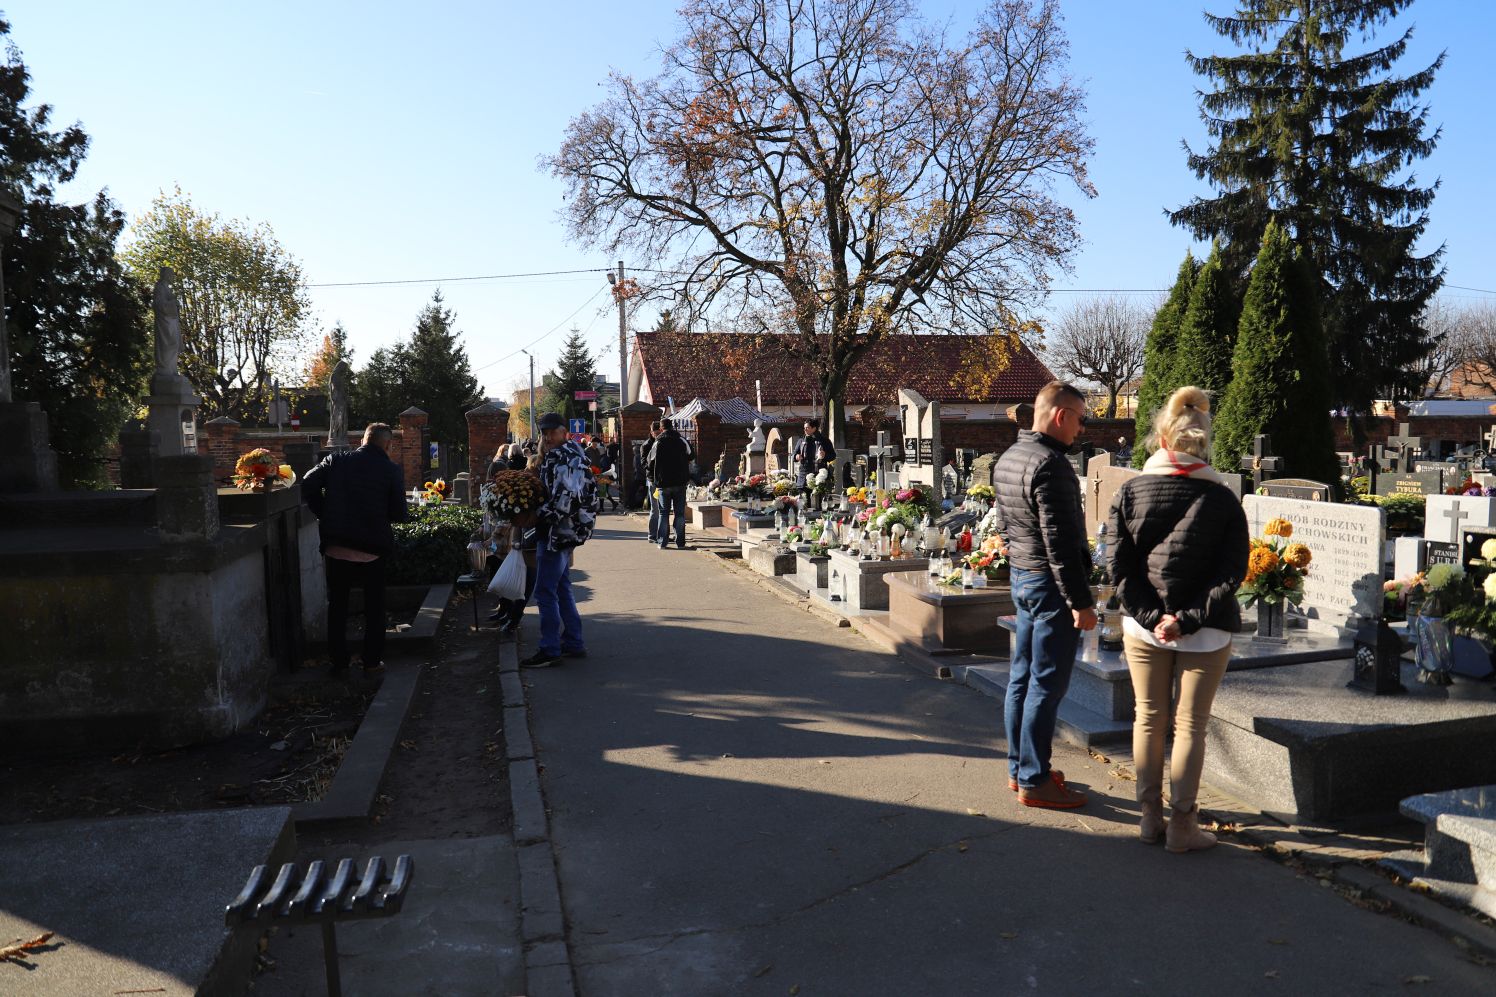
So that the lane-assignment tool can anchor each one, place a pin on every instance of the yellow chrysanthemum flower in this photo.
(1278, 527)
(1260, 562)
(1298, 556)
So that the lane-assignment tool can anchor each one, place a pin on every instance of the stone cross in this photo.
(1261, 461)
(1456, 516)
(10, 213)
(1406, 444)
(883, 455)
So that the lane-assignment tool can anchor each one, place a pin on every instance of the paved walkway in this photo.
(747, 800)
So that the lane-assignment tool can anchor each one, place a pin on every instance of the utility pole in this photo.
(531, 405)
(621, 297)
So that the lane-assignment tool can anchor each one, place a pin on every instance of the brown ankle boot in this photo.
(1184, 834)
(1153, 824)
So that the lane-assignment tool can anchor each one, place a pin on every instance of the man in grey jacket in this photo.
(1039, 514)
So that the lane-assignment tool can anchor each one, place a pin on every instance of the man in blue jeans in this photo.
(566, 518)
(670, 469)
(1039, 514)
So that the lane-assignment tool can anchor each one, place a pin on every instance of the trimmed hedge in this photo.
(432, 547)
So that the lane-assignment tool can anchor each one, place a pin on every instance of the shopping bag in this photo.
(509, 581)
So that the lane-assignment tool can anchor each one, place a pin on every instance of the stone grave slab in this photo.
(944, 618)
(705, 515)
(1344, 584)
(1458, 860)
(1412, 483)
(1446, 515)
(1100, 488)
(1297, 744)
(811, 573)
(136, 902)
(859, 586)
(771, 559)
(1297, 488)
(923, 456)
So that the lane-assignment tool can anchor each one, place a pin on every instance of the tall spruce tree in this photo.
(1207, 336)
(438, 376)
(1321, 139)
(575, 371)
(1282, 375)
(1158, 356)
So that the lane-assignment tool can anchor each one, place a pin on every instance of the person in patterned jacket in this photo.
(566, 519)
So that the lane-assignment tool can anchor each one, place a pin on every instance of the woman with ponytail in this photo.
(1178, 555)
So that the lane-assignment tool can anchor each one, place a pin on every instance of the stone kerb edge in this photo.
(542, 921)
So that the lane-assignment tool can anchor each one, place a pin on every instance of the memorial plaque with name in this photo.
(911, 450)
(1438, 552)
(926, 453)
(1344, 584)
(1297, 488)
(1422, 483)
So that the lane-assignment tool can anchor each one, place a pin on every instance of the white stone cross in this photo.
(883, 454)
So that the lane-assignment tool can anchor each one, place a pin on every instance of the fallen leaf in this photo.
(961, 846)
(1419, 979)
(794, 990)
(408, 745)
(1271, 974)
(764, 971)
(1008, 935)
(1277, 941)
(19, 948)
(974, 813)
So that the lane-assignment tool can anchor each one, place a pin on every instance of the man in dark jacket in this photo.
(356, 495)
(812, 453)
(670, 470)
(1039, 514)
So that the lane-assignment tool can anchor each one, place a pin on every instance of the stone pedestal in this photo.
(138, 450)
(27, 462)
(857, 586)
(186, 498)
(772, 560)
(811, 573)
(945, 618)
(173, 414)
(705, 515)
(755, 463)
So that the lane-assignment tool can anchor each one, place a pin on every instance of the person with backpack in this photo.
(565, 520)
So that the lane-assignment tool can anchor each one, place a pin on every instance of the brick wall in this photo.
(1450, 431)
(488, 427)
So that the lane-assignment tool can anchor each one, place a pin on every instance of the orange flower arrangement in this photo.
(1275, 570)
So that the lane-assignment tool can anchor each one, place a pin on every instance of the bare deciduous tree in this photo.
(836, 170)
(1100, 340)
(1464, 343)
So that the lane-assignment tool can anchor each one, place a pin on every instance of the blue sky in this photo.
(395, 142)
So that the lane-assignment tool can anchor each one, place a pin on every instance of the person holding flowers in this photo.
(356, 495)
(1178, 554)
(567, 514)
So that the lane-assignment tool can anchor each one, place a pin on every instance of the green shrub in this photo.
(432, 547)
(1405, 513)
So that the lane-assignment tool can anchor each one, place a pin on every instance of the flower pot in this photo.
(1270, 621)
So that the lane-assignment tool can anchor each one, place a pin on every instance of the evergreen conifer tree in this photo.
(575, 371)
(1158, 356)
(438, 375)
(1207, 335)
(1319, 137)
(1282, 377)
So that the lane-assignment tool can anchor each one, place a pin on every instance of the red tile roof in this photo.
(717, 365)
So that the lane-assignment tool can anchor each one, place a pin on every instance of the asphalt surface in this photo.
(747, 800)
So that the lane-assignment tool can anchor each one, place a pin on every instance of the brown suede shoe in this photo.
(1051, 795)
(1054, 774)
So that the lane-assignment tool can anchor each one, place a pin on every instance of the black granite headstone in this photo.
(1424, 483)
(1297, 488)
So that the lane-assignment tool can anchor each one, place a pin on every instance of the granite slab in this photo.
(1298, 744)
(948, 617)
(136, 902)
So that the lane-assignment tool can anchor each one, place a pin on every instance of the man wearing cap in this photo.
(566, 518)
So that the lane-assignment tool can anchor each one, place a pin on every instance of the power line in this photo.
(544, 335)
(458, 280)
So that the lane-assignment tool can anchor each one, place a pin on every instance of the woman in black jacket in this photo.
(1178, 555)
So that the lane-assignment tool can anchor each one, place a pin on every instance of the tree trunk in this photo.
(1111, 401)
(834, 406)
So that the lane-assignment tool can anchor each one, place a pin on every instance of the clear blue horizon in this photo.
(385, 147)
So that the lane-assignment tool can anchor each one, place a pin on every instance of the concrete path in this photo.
(747, 800)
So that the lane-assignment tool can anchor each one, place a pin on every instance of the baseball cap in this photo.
(551, 420)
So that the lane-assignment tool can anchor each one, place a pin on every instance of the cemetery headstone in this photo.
(1080, 456)
(1411, 483)
(1101, 486)
(172, 404)
(1403, 447)
(880, 460)
(923, 455)
(1297, 488)
(1470, 544)
(1261, 463)
(1445, 516)
(1344, 584)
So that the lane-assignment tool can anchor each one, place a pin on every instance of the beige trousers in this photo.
(1153, 671)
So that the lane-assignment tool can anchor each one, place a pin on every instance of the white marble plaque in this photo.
(1345, 580)
(1446, 515)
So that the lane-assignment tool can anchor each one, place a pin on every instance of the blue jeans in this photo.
(1043, 657)
(654, 512)
(672, 503)
(560, 625)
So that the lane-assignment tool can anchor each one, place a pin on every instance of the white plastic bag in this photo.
(509, 581)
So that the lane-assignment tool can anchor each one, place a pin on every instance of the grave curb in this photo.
(354, 787)
(789, 594)
(1465, 932)
(542, 913)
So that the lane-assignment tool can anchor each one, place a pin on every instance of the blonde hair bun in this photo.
(1184, 422)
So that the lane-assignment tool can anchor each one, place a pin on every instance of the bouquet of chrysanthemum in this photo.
(786, 501)
(259, 471)
(1275, 567)
(983, 493)
(511, 494)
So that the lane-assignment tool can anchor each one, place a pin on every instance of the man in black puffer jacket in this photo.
(355, 496)
(1039, 515)
(670, 470)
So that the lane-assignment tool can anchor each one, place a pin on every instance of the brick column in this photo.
(633, 424)
(415, 447)
(488, 428)
(708, 441)
(222, 444)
